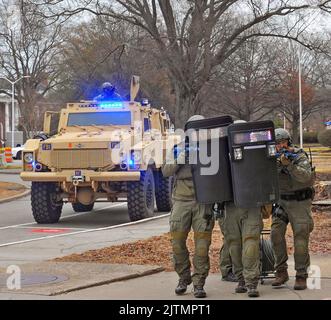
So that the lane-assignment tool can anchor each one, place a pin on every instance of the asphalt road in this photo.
(17, 224)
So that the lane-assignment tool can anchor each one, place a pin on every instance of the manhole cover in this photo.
(30, 279)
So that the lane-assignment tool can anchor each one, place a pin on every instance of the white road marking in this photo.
(85, 231)
(51, 228)
(64, 217)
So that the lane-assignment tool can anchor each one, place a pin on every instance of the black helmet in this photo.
(108, 87)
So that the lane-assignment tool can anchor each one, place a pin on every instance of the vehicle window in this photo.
(99, 118)
(255, 136)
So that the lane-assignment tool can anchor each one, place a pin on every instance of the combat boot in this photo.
(300, 283)
(230, 277)
(252, 291)
(241, 287)
(182, 286)
(281, 278)
(199, 292)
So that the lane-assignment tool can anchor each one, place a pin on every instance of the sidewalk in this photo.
(160, 286)
(105, 281)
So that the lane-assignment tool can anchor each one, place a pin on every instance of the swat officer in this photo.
(296, 178)
(187, 213)
(242, 229)
(225, 261)
(108, 93)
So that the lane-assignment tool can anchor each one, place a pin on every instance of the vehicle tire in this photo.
(163, 191)
(45, 207)
(19, 155)
(79, 207)
(141, 196)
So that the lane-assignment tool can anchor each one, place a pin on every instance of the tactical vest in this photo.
(183, 187)
(290, 183)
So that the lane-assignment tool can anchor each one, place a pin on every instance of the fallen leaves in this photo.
(9, 189)
(157, 250)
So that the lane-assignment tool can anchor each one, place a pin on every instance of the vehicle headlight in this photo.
(28, 157)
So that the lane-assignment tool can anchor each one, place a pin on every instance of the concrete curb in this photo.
(101, 283)
(18, 196)
(75, 276)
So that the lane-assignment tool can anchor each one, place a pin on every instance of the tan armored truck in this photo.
(101, 151)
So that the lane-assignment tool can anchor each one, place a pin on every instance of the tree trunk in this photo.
(183, 106)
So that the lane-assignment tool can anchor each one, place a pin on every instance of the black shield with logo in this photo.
(207, 143)
(253, 163)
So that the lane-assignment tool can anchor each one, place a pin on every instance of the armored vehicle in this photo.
(101, 151)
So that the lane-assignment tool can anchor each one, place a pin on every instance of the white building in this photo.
(5, 116)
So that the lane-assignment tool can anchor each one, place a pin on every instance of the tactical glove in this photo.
(284, 160)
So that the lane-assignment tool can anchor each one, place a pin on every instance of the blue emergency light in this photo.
(131, 164)
(328, 123)
(111, 105)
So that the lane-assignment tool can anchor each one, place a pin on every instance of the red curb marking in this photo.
(49, 230)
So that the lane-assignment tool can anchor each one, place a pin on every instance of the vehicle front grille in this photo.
(91, 158)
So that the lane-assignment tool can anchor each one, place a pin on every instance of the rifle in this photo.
(289, 155)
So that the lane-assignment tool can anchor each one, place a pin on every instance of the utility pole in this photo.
(300, 100)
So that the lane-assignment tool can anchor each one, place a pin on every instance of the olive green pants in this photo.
(299, 215)
(225, 258)
(184, 215)
(242, 229)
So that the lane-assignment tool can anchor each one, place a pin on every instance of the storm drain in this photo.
(30, 279)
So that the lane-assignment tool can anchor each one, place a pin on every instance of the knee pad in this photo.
(301, 246)
(179, 246)
(301, 230)
(251, 248)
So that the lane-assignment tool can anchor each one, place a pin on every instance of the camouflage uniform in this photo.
(225, 258)
(242, 229)
(187, 213)
(296, 177)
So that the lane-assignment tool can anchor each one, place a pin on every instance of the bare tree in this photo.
(243, 85)
(315, 74)
(29, 47)
(108, 50)
(194, 37)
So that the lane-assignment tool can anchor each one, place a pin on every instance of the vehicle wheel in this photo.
(45, 207)
(141, 196)
(79, 207)
(267, 257)
(163, 191)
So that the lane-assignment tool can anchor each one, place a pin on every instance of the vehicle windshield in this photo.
(119, 118)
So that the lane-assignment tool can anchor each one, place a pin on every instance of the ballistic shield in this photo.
(253, 163)
(207, 145)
